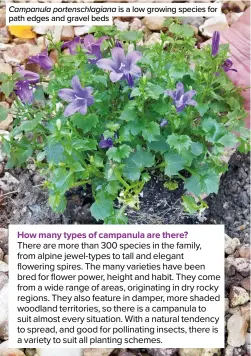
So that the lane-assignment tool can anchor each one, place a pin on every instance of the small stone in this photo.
(64, 352)
(5, 68)
(136, 24)
(211, 352)
(229, 351)
(3, 280)
(8, 183)
(226, 305)
(12, 352)
(242, 265)
(4, 267)
(162, 352)
(152, 39)
(231, 244)
(5, 36)
(235, 6)
(81, 30)
(121, 26)
(245, 283)
(2, 17)
(17, 55)
(190, 352)
(212, 24)
(238, 296)
(1, 254)
(30, 352)
(237, 329)
(245, 311)
(4, 345)
(6, 259)
(42, 30)
(4, 240)
(67, 33)
(4, 306)
(4, 125)
(154, 23)
(244, 251)
(97, 352)
(229, 266)
(41, 42)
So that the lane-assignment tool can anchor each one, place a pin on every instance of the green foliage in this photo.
(189, 147)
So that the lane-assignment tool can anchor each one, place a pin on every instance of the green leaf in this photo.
(210, 182)
(113, 187)
(118, 218)
(62, 179)
(119, 153)
(8, 87)
(103, 206)
(175, 163)
(135, 92)
(77, 167)
(214, 130)
(228, 140)
(171, 185)
(3, 77)
(129, 113)
(196, 148)
(153, 91)
(84, 145)
(130, 36)
(136, 162)
(55, 153)
(159, 145)
(151, 132)
(179, 142)
(193, 185)
(27, 126)
(3, 113)
(86, 123)
(202, 108)
(57, 202)
(190, 204)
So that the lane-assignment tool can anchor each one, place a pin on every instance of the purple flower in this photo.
(72, 45)
(24, 91)
(215, 43)
(180, 98)
(42, 59)
(105, 143)
(122, 67)
(78, 97)
(163, 123)
(93, 47)
(30, 77)
(118, 44)
(227, 66)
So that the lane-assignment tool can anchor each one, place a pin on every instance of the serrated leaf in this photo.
(130, 36)
(129, 113)
(84, 145)
(57, 202)
(214, 130)
(119, 153)
(151, 132)
(153, 91)
(159, 145)
(136, 162)
(62, 179)
(103, 206)
(193, 185)
(179, 142)
(202, 108)
(210, 182)
(175, 163)
(86, 123)
(196, 148)
(118, 218)
(113, 187)
(228, 140)
(55, 153)
(27, 126)
(189, 204)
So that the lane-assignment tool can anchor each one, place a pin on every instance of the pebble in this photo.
(4, 345)
(81, 30)
(229, 351)
(237, 329)
(12, 352)
(4, 267)
(152, 39)
(238, 296)
(154, 23)
(136, 24)
(3, 307)
(242, 265)
(5, 68)
(212, 24)
(211, 352)
(244, 251)
(231, 244)
(4, 240)
(6, 259)
(190, 352)
(121, 25)
(30, 352)
(5, 37)
(245, 311)
(97, 352)
(162, 352)
(42, 30)
(2, 17)
(17, 54)
(226, 305)
(245, 283)
(235, 6)
(4, 125)
(67, 33)
(1, 255)
(8, 183)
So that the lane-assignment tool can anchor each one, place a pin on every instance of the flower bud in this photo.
(59, 124)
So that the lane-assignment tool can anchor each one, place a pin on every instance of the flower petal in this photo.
(101, 39)
(188, 95)
(179, 91)
(135, 71)
(133, 57)
(192, 102)
(118, 56)
(114, 76)
(73, 107)
(106, 64)
(89, 40)
(77, 87)
(83, 109)
(170, 93)
(67, 95)
(215, 43)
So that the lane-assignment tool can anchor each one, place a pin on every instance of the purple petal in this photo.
(118, 56)
(25, 92)
(83, 109)
(133, 57)
(130, 80)
(118, 44)
(72, 45)
(106, 64)
(188, 95)
(67, 95)
(192, 102)
(180, 108)
(215, 43)
(114, 76)
(170, 93)
(163, 123)
(106, 143)
(77, 87)
(135, 71)
(179, 91)
(74, 107)
(89, 40)
(101, 39)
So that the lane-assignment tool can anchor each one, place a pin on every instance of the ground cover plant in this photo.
(114, 111)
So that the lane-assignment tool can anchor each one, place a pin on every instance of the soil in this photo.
(158, 205)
